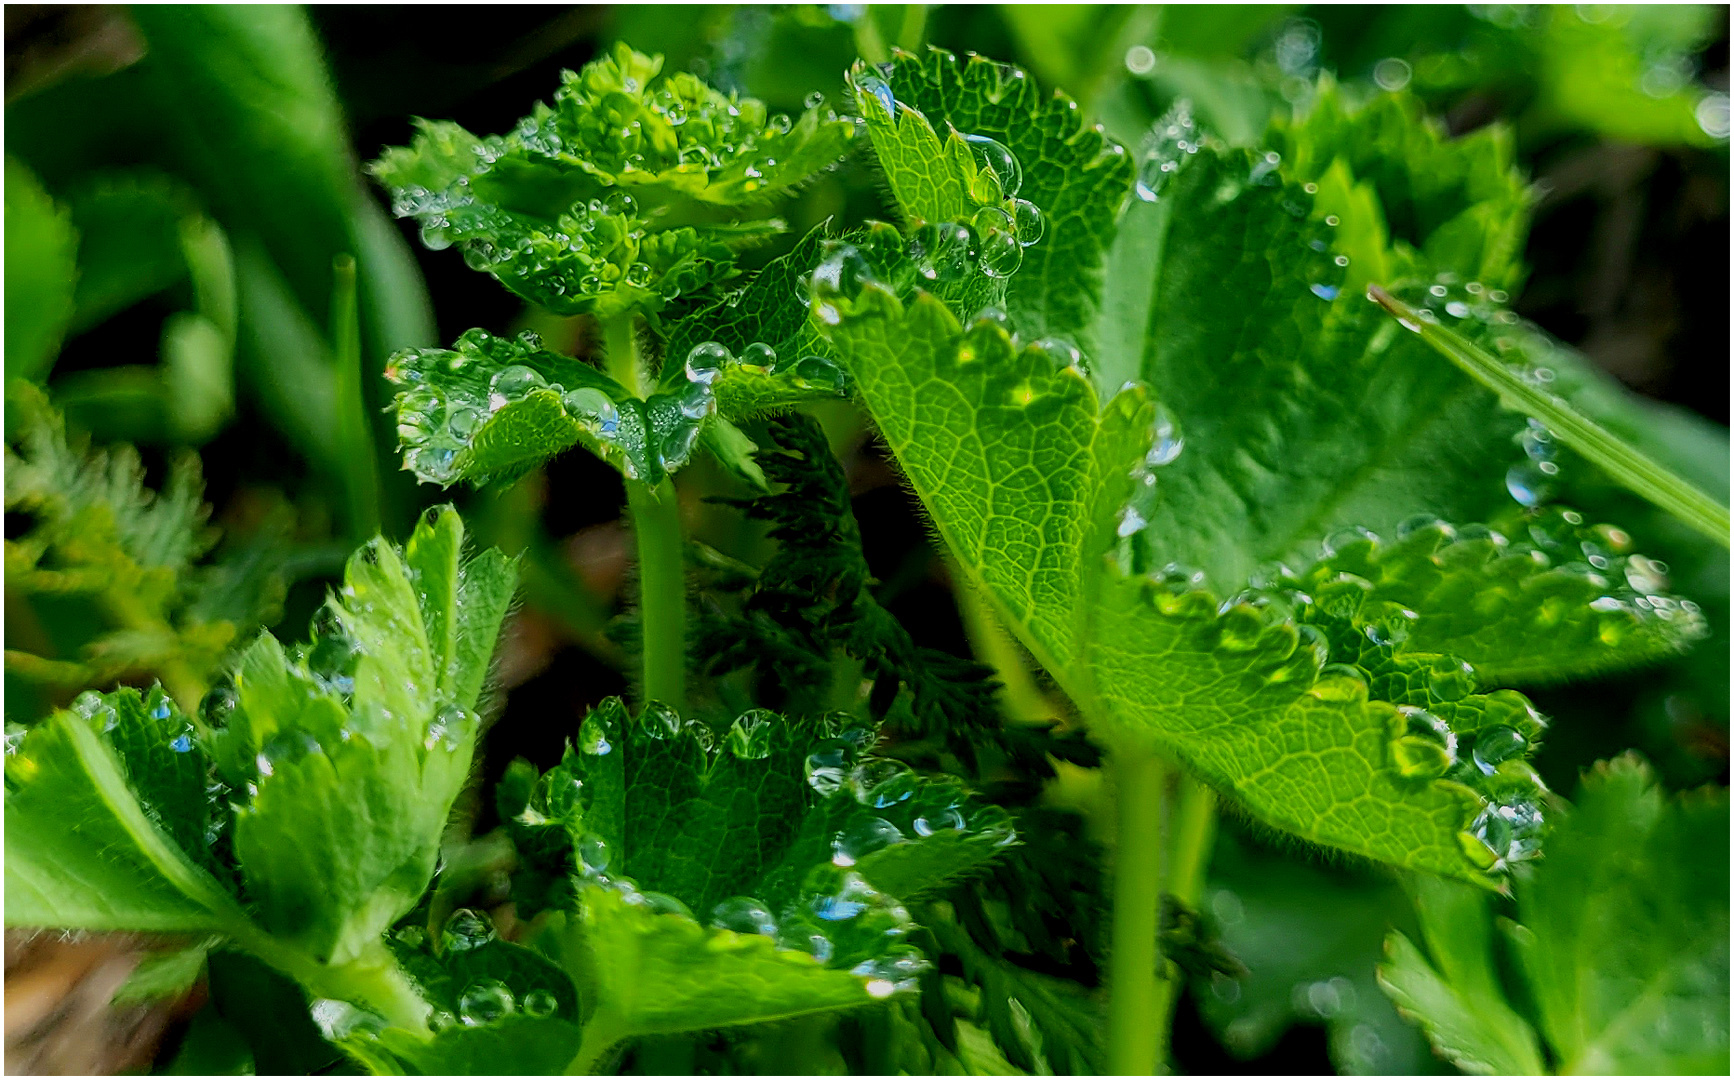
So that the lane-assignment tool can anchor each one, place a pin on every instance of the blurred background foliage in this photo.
(194, 262)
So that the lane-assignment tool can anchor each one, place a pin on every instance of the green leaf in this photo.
(1621, 942)
(1521, 612)
(494, 408)
(129, 228)
(600, 202)
(1463, 1011)
(122, 868)
(1071, 173)
(162, 976)
(1621, 460)
(95, 531)
(1022, 470)
(354, 752)
(41, 248)
(515, 1046)
(785, 838)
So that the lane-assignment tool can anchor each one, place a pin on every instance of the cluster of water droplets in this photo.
(706, 361)
(1172, 140)
(1166, 443)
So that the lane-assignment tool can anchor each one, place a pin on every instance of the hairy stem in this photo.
(1628, 466)
(1135, 1040)
(661, 590)
(1020, 697)
(372, 980)
(620, 342)
(1192, 835)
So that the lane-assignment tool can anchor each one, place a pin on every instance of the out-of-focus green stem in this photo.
(1135, 1038)
(868, 41)
(354, 433)
(661, 590)
(1192, 835)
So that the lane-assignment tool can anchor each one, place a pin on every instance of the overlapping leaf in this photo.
(1621, 942)
(598, 203)
(1258, 360)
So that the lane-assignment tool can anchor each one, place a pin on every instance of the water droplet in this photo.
(449, 728)
(813, 100)
(677, 445)
(998, 250)
(1496, 745)
(1450, 679)
(820, 373)
(1166, 439)
(881, 782)
(338, 1020)
(594, 409)
(744, 915)
(1140, 60)
(1387, 624)
(1427, 748)
(664, 904)
(598, 734)
(1528, 484)
(1509, 834)
(749, 736)
(659, 721)
(1238, 629)
(1027, 220)
(759, 358)
(825, 770)
(848, 902)
(463, 422)
(485, 1001)
(541, 1003)
(878, 90)
(705, 361)
(467, 929)
(1341, 597)
(1340, 682)
(516, 381)
(1324, 292)
(594, 854)
(1392, 73)
(995, 158)
(942, 253)
(1457, 309)
(1059, 353)
(620, 204)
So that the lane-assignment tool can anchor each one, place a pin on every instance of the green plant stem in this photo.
(661, 590)
(600, 1035)
(354, 433)
(1135, 1041)
(373, 979)
(1192, 836)
(868, 41)
(1628, 466)
(620, 342)
(909, 35)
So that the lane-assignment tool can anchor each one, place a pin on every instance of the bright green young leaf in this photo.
(353, 753)
(162, 976)
(41, 273)
(1621, 941)
(786, 839)
(96, 816)
(600, 202)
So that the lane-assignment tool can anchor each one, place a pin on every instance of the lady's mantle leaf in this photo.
(1622, 940)
(600, 203)
(352, 751)
(786, 840)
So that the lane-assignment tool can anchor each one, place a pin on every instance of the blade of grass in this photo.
(1628, 466)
